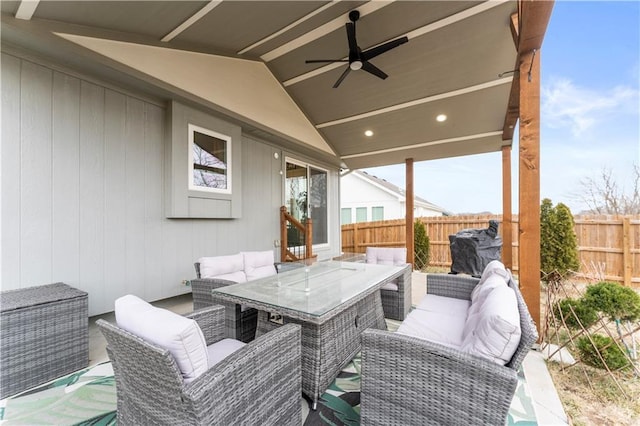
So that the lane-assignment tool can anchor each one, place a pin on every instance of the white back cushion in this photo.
(181, 336)
(387, 255)
(496, 331)
(258, 264)
(480, 291)
(223, 267)
(495, 267)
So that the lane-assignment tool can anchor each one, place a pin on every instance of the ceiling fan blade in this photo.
(378, 50)
(314, 61)
(351, 36)
(370, 68)
(344, 74)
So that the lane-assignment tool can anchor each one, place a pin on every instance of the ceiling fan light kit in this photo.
(357, 58)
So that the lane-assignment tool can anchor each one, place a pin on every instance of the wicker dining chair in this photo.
(396, 295)
(260, 383)
(241, 322)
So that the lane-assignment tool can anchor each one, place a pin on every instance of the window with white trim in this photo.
(209, 160)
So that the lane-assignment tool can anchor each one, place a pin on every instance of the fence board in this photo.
(608, 246)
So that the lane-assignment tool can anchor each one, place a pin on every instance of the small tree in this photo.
(421, 245)
(603, 195)
(558, 243)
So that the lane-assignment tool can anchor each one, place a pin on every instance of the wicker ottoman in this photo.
(44, 334)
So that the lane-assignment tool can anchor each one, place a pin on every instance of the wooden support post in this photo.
(529, 183)
(626, 251)
(308, 239)
(507, 217)
(409, 211)
(283, 234)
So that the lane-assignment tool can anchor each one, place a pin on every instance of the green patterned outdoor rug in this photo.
(86, 397)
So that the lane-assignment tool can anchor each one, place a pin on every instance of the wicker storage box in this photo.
(44, 334)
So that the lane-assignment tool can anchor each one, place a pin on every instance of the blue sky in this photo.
(590, 107)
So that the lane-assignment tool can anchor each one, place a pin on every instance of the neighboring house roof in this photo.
(397, 191)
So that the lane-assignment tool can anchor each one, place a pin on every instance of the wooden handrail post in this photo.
(308, 238)
(283, 234)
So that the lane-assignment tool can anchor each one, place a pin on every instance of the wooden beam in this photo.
(507, 217)
(528, 29)
(409, 197)
(529, 183)
(534, 18)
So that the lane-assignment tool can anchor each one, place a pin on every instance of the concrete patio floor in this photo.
(549, 410)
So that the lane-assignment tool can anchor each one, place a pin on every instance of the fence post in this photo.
(626, 251)
(356, 247)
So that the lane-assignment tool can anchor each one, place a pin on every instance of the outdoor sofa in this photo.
(454, 359)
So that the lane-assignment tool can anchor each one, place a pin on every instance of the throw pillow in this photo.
(496, 334)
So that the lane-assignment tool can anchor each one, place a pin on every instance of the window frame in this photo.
(192, 128)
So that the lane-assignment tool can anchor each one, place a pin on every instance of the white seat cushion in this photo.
(222, 349)
(391, 285)
(438, 327)
(223, 267)
(258, 264)
(494, 331)
(444, 305)
(181, 336)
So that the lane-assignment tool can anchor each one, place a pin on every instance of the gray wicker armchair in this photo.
(258, 384)
(407, 380)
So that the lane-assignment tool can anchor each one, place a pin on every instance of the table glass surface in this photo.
(314, 289)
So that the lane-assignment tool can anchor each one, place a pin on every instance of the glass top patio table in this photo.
(311, 291)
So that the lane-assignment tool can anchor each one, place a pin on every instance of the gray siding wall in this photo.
(81, 201)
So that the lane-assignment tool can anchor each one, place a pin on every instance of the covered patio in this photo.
(98, 97)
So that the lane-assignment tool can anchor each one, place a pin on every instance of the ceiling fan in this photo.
(357, 58)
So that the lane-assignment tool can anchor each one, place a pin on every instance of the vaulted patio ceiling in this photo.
(457, 63)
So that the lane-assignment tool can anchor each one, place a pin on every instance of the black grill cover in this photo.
(473, 249)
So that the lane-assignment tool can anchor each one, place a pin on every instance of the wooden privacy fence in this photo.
(608, 246)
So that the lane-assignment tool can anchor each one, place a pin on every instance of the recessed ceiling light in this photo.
(441, 118)
(368, 133)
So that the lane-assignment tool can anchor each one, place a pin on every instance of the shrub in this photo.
(613, 356)
(586, 315)
(421, 245)
(558, 243)
(613, 300)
